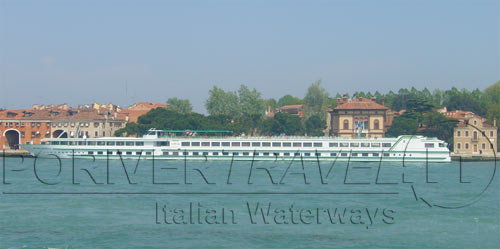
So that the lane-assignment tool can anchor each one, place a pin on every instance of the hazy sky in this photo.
(77, 52)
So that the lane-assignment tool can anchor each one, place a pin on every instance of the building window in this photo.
(96, 134)
(475, 122)
(483, 146)
(491, 133)
(459, 145)
(466, 146)
(458, 133)
(346, 124)
(376, 124)
(466, 133)
(103, 133)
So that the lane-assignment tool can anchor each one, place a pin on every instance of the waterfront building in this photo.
(23, 126)
(359, 117)
(473, 136)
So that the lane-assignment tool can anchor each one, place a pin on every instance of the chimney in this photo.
(383, 101)
(344, 98)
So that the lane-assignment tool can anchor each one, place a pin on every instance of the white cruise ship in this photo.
(158, 144)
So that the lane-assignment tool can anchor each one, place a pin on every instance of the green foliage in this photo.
(289, 100)
(282, 124)
(316, 100)
(403, 125)
(221, 102)
(179, 105)
(314, 126)
(251, 102)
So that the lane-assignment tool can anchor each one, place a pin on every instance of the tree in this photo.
(179, 105)
(403, 125)
(316, 100)
(251, 102)
(222, 103)
(315, 126)
(282, 123)
(289, 100)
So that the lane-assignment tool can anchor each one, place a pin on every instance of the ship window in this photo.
(81, 143)
(365, 145)
(185, 143)
(297, 154)
(375, 145)
(91, 153)
(235, 144)
(364, 154)
(176, 153)
(334, 144)
(246, 153)
(64, 143)
(276, 153)
(235, 153)
(162, 143)
(333, 154)
(354, 154)
(255, 144)
(429, 145)
(195, 144)
(54, 142)
(245, 144)
(100, 143)
(318, 144)
(119, 143)
(297, 145)
(256, 153)
(132, 143)
(354, 144)
(129, 152)
(195, 153)
(441, 145)
(287, 144)
(91, 142)
(225, 153)
(165, 153)
(205, 153)
(266, 153)
(185, 153)
(110, 143)
(216, 144)
(286, 154)
(386, 144)
(307, 144)
(318, 154)
(344, 144)
(118, 152)
(276, 144)
(206, 144)
(386, 154)
(215, 153)
(307, 154)
(374, 154)
(148, 153)
(266, 144)
(343, 154)
(225, 144)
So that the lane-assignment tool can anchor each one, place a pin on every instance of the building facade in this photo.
(357, 118)
(474, 137)
(18, 127)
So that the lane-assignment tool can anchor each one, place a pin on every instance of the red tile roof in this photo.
(360, 104)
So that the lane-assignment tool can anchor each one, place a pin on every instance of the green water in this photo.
(123, 215)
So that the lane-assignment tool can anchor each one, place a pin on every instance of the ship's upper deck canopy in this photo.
(170, 133)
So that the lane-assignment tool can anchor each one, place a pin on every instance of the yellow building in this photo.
(359, 117)
(473, 137)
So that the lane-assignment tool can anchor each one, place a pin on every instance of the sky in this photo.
(78, 52)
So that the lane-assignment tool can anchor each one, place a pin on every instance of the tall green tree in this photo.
(289, 100)
(179, 105)
(314, 126)
(251, 102)
(221, 102)
(316, 100)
